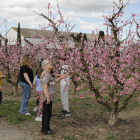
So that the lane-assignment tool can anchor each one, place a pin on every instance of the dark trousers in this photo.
(47, 112)
(0, 97)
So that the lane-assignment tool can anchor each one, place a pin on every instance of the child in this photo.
(37, 101)
(38, 90)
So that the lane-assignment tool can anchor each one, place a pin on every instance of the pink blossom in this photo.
(49, 5)
(115, 100)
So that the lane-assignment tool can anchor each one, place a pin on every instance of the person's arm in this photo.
(45, 89)
(28, 80)
(58, 75)
(3, 76)
(34, 83)
(62, 76)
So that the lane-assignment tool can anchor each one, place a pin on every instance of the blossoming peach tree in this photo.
(10, 58)
(109, 64)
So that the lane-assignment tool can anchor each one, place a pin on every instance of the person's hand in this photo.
(4, 76)
(64, 76)
(31, 87)
(0, 89)
(48, 101)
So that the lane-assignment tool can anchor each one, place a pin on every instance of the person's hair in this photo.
(40, 62)
(39, 66)
(64, 59)
(40, 70)
(25, 61)
(43, 64)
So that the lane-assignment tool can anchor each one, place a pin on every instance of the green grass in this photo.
(10, 111)
(96, 114)
(112, 137)
(63, 124)
(133, 104)
(34, 71)
(104, 109)
(55, 116)
(10, 93)
(32, 103)
(70, 90)
(71, 109)
(94, 106)
(79, 99)
(4, 82)
(85, 113)
(87, 104)
(57, 91)
(58, 99)
(106, 98)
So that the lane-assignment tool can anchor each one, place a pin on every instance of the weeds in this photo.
(112, 137)
(10, 111)
(63, 124)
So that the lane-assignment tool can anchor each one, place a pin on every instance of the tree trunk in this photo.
(15, 90)
(113, 117)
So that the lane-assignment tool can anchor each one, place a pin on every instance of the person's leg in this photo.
(26, 89)
(49, 114)
(48, 109)
(0, 97)
(43, 116)
(40, 106)
(64, 97)
(37, 102)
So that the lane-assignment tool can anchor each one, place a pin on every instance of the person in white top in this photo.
(64, 89)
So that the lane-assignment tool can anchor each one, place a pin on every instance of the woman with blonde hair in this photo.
(26, 82)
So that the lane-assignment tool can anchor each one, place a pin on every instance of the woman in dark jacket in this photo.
(26, 82)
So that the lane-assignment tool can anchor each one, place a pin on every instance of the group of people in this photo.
(45, 87)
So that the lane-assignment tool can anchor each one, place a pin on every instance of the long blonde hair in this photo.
(25, 61)
(40, 70)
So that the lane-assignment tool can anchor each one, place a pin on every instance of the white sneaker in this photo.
(28, 114)
(35, 109)
(38, 119)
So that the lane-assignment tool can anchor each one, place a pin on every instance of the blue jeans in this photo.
(26, 89)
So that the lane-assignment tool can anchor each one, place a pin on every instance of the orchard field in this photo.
(104, 70)
(88, 120)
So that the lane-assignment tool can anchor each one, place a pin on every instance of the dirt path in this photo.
(10, 132)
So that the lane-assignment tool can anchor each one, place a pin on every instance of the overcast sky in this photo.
(86, 14)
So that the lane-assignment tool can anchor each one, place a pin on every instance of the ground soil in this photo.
(80, 127)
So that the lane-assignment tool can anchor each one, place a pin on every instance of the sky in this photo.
(86, 14)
